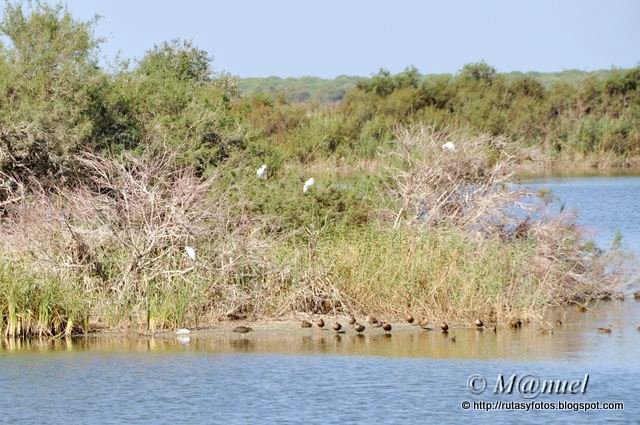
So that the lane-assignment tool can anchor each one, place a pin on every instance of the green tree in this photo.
(48, 73)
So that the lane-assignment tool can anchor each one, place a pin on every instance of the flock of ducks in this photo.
(353, 322)
(373, 322)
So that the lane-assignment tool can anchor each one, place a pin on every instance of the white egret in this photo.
(190, 252)
(262, 172)
(449, 146)
(308, 184)
(183, 331)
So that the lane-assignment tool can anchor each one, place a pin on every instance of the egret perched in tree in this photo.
(190, 252)
(262, 172)
(308, 184)
(449, 147)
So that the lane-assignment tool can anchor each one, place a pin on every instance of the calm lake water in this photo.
(316, 377)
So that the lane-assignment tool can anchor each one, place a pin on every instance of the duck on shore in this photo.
(320, 323)
(242, 329)
(352, 320)
(386, 327)
(479, 324)
(337, 326)
(409, 319)
(306, 324)
(445, 327)
(359, 328)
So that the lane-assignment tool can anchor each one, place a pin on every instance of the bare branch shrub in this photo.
(123, 235)
(470, 189)
(467, 187)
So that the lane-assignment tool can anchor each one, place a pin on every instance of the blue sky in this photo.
(332, 37)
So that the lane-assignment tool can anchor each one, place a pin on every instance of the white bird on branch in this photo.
(308, 184)
(449, 147)
(190, 252)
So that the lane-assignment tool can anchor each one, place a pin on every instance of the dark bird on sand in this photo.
(320, 323)
(479, 323)
(242, 329)
(306, 324)
(359, 328)
(410, 318)
(337, 326)
(444, 327)
(387, 327)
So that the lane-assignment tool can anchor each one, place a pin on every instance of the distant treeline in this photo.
(56, 101)
(327, 90)
(570, 115)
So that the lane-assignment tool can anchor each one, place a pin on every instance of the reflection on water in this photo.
(576, 340)
(317, 377)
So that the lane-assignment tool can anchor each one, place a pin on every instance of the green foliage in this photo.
(177, 60)
(48, 76)
(75, 132)
(596, 115)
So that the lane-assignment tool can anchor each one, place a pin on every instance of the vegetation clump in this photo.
(130, 198)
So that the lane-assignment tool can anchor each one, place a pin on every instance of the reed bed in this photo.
(447, 238)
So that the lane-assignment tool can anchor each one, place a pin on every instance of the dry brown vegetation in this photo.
(453, 240)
